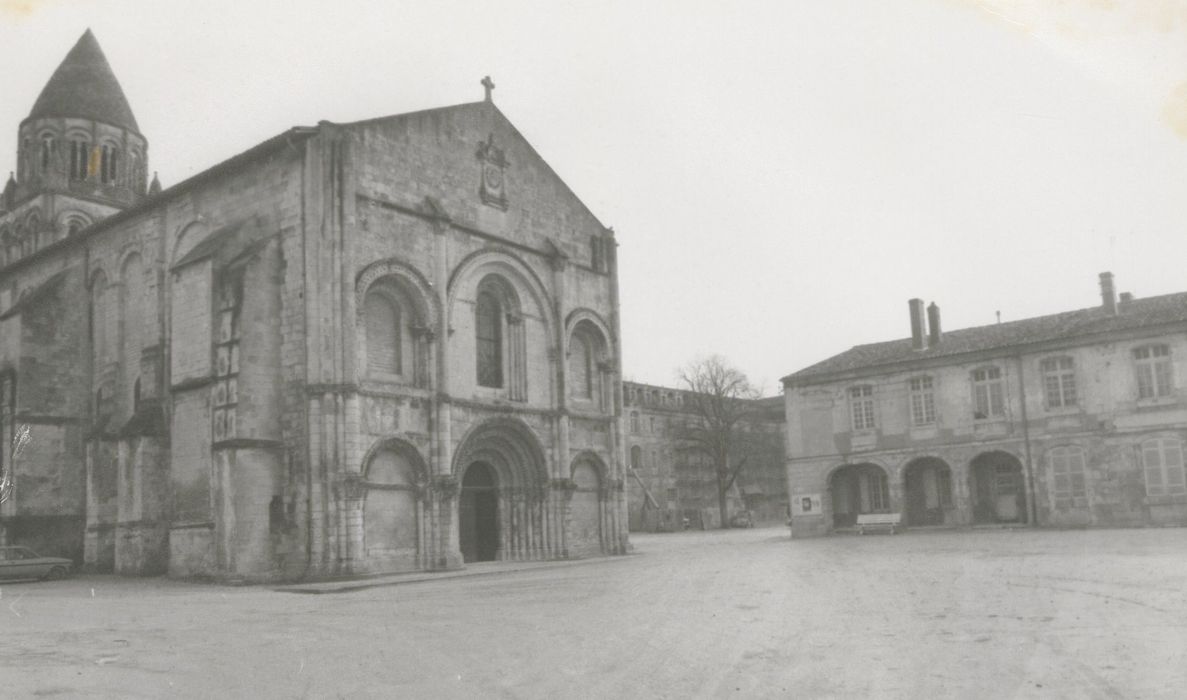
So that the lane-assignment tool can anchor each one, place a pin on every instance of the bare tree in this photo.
(721, 398)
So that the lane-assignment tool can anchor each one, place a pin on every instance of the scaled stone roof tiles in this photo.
(84, 86)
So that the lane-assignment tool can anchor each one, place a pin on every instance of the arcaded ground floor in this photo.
(738, 613)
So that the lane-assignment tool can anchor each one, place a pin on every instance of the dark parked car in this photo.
(742, 519)
(22, 562)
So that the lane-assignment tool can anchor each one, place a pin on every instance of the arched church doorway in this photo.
(479, 514)
(998, 488)
(857, 489)
(504, 488)
(927, 485)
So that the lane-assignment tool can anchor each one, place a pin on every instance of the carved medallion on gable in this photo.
(494, 165)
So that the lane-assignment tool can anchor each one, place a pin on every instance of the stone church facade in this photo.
(382, 346)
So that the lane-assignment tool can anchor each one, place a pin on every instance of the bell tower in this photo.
(80, 141)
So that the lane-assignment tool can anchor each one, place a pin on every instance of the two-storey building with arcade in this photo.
(1073, 419)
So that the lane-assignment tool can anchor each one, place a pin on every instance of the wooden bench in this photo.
(878, 520)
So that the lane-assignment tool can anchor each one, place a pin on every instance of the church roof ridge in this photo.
(84, 86)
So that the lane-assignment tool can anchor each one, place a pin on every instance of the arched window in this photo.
(100, 320)
(586, 368)
(133, 309)
(47, 151)
(32, 234)
(1162, 460)
(133, 175)
(80, 156)
(383, 334)
(107, 164)
(636, 458)
(489, 340)
(581, 369)
(1068, 476)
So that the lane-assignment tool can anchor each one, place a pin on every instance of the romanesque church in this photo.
(383, 346)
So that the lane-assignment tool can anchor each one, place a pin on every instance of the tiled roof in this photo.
(1135, 314)
(84, 86)
(38, 294)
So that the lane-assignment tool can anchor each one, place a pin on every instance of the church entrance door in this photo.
(478, 514)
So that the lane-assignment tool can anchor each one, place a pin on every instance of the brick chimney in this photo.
(918, 334)
(1108, 294)
(933, 324)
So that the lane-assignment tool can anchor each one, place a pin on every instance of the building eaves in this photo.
(1067, 327)
(37, 294)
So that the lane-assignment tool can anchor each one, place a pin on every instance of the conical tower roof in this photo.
(84, 86)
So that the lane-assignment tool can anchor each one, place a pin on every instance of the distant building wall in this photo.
(670, 480)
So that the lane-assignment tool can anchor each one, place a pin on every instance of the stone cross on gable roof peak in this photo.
(489, 85)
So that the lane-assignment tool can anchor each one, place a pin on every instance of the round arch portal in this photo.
(478, 514)
(927, 490)
(857, 489)
(502, 471)
(998, 487)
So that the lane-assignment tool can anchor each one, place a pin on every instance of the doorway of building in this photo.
(478, 514)
(858, 489)
(998, 488)
(928, 486)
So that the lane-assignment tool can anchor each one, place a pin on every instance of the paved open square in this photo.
(742, 613)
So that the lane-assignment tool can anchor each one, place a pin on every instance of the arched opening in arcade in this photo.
(857, 489)
(998, 488)
(478, 514)
(927, 487)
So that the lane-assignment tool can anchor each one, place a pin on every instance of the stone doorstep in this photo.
(494, 568)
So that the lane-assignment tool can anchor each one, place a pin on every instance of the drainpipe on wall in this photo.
(1031, 505)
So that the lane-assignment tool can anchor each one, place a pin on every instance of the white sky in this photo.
(782, 176)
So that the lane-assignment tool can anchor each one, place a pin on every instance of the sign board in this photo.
(806, 504)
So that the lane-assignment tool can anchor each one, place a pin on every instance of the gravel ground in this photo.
(742, 613)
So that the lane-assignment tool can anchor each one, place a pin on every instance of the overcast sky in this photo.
(782, 176)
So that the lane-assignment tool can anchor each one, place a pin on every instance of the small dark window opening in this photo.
(80, 154)
(136, 396)
(107, 165)
(47, 147)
